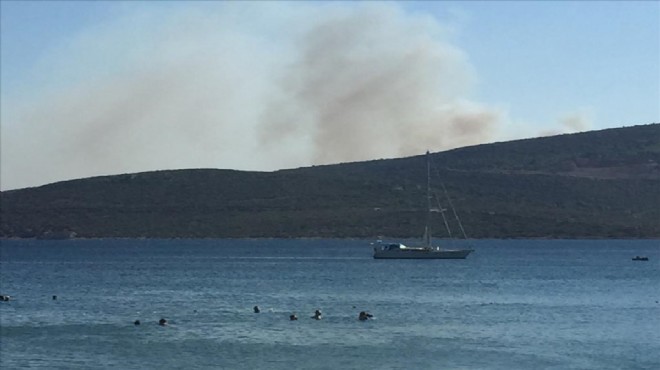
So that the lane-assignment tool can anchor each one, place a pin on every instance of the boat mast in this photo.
(427, 229)
(453, 209)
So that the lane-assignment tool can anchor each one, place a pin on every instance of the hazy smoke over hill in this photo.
(253, 86)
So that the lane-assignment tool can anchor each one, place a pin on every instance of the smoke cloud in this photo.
(253, 86)
(578, 121)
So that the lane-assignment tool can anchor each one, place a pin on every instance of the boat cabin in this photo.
(400, 247)
(392, 247)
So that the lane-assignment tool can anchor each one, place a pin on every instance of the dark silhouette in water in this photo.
(4, 298)
(256, 309)
(136, 322)
(364, 316)
(317, 315)
(54, 297)
(293, 317)
(162, 322)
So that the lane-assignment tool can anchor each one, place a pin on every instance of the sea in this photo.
(512, 304)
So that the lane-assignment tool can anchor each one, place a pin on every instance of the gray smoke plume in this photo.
(578, 121)
(372, 82)
(253, 86)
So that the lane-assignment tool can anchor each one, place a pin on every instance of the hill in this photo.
(598, 184)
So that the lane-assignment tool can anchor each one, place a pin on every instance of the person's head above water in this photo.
(364, 315)
(162, 322)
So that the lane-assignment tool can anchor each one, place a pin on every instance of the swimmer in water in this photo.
(256, 309)
(364, 316)
(162, 322)
(136, 322)
(317, 315)
(293, 317)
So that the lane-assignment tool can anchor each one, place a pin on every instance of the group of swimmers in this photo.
(363, 316)
(6, 298)
(161, 322)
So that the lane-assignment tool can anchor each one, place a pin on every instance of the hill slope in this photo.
(593, 184)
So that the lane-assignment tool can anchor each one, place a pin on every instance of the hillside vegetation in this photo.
(595, 184)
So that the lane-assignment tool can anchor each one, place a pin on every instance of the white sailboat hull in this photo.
(420, 253)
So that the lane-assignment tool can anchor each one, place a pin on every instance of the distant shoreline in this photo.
(509, 190)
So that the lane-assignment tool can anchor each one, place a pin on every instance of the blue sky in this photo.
(545, 59)
(95, 88)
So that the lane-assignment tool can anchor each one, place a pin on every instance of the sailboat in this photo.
(426, 250)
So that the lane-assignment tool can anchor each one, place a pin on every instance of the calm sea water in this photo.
(510, 305)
